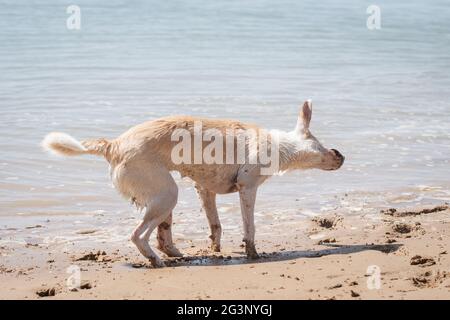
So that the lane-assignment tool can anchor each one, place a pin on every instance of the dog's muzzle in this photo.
(339, 156)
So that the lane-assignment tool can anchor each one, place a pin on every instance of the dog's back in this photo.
(159, 141)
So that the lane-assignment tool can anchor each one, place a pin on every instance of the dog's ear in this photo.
(304, 117)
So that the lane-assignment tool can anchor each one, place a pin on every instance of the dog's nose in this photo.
(338, 154)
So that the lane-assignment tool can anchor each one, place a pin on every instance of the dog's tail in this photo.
(66, 145)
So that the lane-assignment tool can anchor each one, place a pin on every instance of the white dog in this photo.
(141, 160)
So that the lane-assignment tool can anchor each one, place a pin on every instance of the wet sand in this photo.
(401, 254)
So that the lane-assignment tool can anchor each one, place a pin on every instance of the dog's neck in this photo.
(290, 150)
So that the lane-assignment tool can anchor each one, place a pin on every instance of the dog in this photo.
(142, 159)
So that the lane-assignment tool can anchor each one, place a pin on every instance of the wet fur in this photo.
(140, 161)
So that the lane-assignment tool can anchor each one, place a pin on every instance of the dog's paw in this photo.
(253, 256)
(250, 250)
(215, 247)
(157, 262)
(172, 252)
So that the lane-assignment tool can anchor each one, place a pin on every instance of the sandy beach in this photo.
(397, 254)
(378, 76)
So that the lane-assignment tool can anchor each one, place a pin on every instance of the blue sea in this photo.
(381, 97)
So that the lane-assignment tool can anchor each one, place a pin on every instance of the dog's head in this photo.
(312, 154)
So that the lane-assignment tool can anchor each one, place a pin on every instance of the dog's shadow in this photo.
(219, 260)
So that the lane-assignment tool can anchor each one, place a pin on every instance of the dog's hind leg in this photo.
(208, 200)
(162, 196)
(165, 242)
(154, 216)
(142, 245)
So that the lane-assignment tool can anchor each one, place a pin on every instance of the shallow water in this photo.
(380, 97)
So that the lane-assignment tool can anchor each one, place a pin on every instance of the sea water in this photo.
(380, 95)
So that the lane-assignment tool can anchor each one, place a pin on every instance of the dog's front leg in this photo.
(208, 200)
(248, 197)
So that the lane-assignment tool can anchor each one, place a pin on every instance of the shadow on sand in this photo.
(219, 260)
